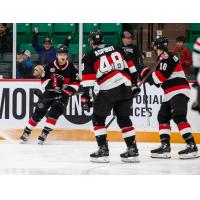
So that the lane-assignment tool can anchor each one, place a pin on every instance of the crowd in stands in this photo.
(6, 40)
(47, 52)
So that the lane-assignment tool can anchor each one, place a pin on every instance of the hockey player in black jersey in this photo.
(116, 76)
(59, 81)
(170, 77)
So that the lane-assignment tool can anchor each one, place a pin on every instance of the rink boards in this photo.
(17, 102)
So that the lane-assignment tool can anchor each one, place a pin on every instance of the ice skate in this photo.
(100, 156)
(130, 155)
(162, 152)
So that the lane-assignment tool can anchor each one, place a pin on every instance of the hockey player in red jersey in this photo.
(59, 80)
(170, 77)
(116, 76)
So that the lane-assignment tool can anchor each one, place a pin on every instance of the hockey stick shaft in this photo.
(110, 122)
(50, 99)
(145, 78)
(146, 105)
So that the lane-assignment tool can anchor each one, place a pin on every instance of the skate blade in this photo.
(163, 156)
(23, 141)
(189, 156)
(40, 142)
(130, 160)
(104, 159)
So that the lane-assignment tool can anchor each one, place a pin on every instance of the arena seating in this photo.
(59, 31)
(193, 33)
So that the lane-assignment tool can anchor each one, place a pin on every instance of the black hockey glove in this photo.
(195, 106)
(135, 90)
(69, 91)
(86, 102)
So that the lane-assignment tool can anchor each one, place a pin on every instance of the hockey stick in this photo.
(45, 100)
(144, 79)
(50, 99)
(110, 122)
(152, 69)
(146, 105)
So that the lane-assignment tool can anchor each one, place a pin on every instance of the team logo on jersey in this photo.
(52, 70)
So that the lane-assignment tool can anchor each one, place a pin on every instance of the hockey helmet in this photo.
(96, 37)
(62, 49)
(161, 42)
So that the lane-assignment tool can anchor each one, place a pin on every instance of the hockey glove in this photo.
(144, 73)
(195, 106)
(69, 91)
(135, 90)
(86, 102)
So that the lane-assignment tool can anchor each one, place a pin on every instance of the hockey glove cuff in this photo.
(135, 90)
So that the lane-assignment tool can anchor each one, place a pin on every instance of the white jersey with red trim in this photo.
(170, 75)
(109, 66)
(67, 72)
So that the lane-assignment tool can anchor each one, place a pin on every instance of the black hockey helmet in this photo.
(62, 49)
(161, 42)
(96, 37)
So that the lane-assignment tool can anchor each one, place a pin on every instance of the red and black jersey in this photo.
(109, 66)
(170, 75)
(53, 72)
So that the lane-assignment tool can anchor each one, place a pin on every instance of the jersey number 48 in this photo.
(111, 62)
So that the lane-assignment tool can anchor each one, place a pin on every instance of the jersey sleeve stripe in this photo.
(75, 83)
(126, 75)
(88, 83)
(132, 69)
(158, 77)
(155, 78)
(130, 63)
(108, 76)
(88, 77)
(172, 89)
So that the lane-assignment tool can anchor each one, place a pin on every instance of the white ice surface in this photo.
(66, 157)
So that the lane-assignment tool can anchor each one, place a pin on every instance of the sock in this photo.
(129, 140)
(101, 140)
(188, 138)
(27, 130)
(165, 138)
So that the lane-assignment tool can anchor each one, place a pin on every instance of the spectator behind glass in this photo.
(183, 53)
(47, 53)
(129, 47)
(38, 71)
(24, 65)
(5, 39)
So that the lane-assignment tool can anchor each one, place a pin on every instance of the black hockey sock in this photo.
(188, 138)
(46, 130)
(101, 140)
(129, 140)
(165, 138)
(27, 130)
